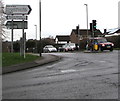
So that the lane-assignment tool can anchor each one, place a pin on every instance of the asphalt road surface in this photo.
(77, 75)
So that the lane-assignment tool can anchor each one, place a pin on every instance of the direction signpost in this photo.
(17, 12)
(16, 17)
(18, 9)
(16, 25)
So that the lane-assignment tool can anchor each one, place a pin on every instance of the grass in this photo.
(9, 59)
(117, 48)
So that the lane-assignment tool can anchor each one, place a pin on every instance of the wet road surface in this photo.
(77, 76)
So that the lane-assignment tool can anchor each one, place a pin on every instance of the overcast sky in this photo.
(59, 17)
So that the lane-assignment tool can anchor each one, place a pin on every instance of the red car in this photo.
(102, 43)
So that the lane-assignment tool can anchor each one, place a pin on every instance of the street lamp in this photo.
(87, 20)
(36, 31)
(36, 36)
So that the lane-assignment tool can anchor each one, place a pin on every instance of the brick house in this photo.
(79, 36)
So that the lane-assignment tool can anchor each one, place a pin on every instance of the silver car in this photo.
(49, 48)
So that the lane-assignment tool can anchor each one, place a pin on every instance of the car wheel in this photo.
(101, 48)
(111, 49)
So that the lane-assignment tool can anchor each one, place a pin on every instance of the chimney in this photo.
(77, 28)
(105, 31)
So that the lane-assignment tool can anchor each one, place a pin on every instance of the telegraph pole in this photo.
(40, 28)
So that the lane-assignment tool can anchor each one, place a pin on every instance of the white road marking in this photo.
(68, 71)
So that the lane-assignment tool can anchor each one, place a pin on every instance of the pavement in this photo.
(46, 58)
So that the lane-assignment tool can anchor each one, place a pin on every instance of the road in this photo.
(77, 75)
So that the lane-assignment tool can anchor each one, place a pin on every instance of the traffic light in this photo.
(94, 24)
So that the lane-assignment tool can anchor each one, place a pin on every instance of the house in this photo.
(62, 39)
(80, 34)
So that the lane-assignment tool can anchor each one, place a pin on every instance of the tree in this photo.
(30, 45)
(2, 19)
(16, 46)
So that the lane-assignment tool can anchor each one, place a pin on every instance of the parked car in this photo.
(49, 48)
(73, 46)
(60, 49)
(102, 43)
(65, 48)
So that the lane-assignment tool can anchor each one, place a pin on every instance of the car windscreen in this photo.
(50, 46)
(64, 46)
(72, 44)
(101, 40)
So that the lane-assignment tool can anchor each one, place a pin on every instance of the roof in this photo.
(63, 37)
(115, 30)
(97, 38)
(83, 32)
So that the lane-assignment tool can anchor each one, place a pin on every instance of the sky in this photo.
(59, 17)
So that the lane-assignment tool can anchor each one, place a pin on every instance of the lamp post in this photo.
(87, 20)
(36, 36)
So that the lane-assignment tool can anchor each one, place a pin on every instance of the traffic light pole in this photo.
(93, 30)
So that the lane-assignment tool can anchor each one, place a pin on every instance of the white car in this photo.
(73, 46)
(49, 48)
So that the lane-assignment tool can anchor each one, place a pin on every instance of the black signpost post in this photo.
(12, 36)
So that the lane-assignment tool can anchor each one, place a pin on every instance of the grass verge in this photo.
(9, 59)
(117, 48)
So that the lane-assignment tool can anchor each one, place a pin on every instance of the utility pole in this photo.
(40, 28)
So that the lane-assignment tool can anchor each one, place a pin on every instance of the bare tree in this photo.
(2, 20)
